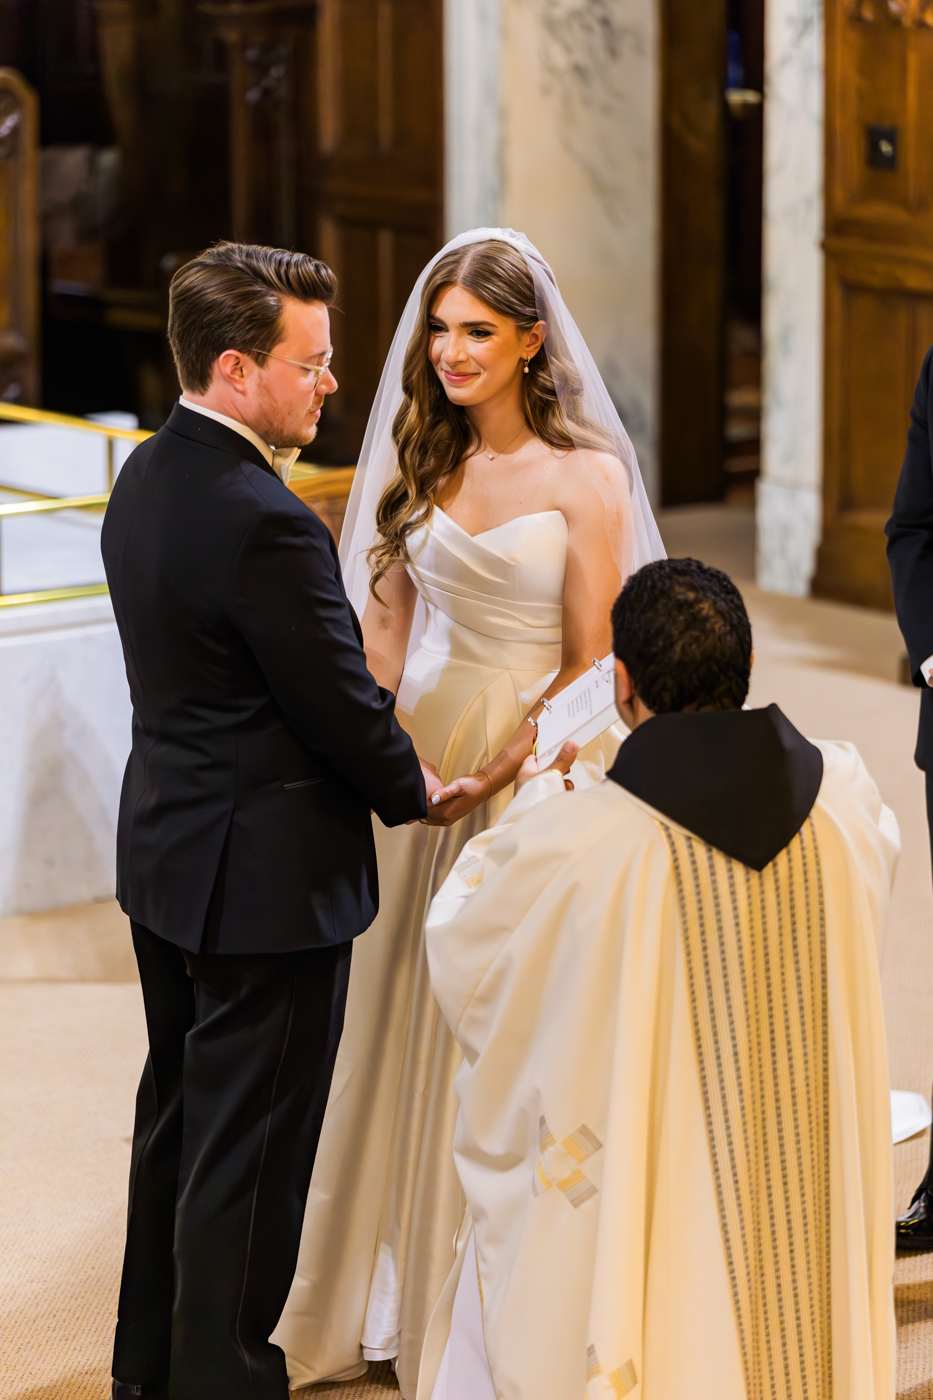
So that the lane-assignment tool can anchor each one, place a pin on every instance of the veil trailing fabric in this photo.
(584, 399)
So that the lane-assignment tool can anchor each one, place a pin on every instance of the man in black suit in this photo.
(910, 555)
(245, 856)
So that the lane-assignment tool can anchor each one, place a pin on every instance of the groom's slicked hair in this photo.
(230, 298)
(681, 630)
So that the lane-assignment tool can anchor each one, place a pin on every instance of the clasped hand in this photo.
(447, 805)
(457, 799)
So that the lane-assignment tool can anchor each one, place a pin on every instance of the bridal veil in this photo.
(583, 396)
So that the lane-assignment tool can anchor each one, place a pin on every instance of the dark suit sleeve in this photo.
(910, 533)
(290, 606)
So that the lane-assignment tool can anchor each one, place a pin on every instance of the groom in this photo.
(245, 856)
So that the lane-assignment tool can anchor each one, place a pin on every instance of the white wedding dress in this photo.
(385, 1202)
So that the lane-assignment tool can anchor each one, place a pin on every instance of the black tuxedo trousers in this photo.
(910, 551)
(927, 1182)
(228, 1117)
(910, 555)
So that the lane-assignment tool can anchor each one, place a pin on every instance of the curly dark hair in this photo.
(682, 632)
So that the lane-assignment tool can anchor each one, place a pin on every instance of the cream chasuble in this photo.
(674, 1135)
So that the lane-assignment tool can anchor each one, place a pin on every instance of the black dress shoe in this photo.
(914, 1229)
(127, 1390)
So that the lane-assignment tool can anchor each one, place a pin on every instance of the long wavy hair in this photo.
(432, 435)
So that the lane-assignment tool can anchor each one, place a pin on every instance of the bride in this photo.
(496, 509)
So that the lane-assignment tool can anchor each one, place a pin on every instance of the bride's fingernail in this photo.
(435, 799)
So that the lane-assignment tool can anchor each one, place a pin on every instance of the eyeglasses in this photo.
(315, 371)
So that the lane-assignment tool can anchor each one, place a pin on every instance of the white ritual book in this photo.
(581, 712)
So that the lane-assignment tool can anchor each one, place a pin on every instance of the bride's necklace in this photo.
(493, 455)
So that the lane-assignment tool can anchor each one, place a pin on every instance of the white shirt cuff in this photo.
(926, 670)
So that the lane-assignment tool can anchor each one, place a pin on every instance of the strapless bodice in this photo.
(492, 640)
(493, 599)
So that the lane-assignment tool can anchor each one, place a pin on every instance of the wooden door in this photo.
(19, 240)
(313, 124)
(336, 147)
(693, 39)
(333, 141)
(371, 189)
(879, 275)
(270, 63)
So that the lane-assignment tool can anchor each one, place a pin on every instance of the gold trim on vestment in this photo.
(755, 952)
(559, 1162)
(612, 1385)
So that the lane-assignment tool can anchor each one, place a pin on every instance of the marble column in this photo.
(790, 488)
(552, 129)
(473, 136)
(580, 157)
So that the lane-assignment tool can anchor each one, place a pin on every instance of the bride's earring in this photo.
(526, 364)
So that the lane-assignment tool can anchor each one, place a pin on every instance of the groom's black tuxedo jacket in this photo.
(260, 739)
(910, 551)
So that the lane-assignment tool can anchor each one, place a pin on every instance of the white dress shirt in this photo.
(926, 670)
(280, 459)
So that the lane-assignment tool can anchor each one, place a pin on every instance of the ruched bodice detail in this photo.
(504, 586)
(493, 605)
(491, 643)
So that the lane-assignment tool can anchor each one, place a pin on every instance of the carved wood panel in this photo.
(336, 147)
(912, 14)
(19, 240)
(879, 275)
(372, 190)
(270, 68)
(315, 124)
(879, 72)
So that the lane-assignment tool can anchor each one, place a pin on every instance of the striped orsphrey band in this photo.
(755, 952)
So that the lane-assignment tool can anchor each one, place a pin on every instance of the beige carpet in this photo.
(88, 943)
(70, 1057)
(378, 1381)
(72, 1043)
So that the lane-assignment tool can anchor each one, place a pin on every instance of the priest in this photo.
(674, 1136)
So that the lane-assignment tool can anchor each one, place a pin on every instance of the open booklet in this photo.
(581, 712)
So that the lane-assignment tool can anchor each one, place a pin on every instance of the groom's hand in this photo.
(562, 764)
(432, 784)
(432, 781)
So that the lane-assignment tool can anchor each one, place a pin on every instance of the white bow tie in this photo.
(283, 459)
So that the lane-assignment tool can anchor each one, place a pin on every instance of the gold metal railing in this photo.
(18, 414)
(324, 489)
(37, 503)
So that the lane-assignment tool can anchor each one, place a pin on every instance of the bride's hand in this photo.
(458, 798)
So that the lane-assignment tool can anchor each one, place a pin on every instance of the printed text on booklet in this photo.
(581, 712)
